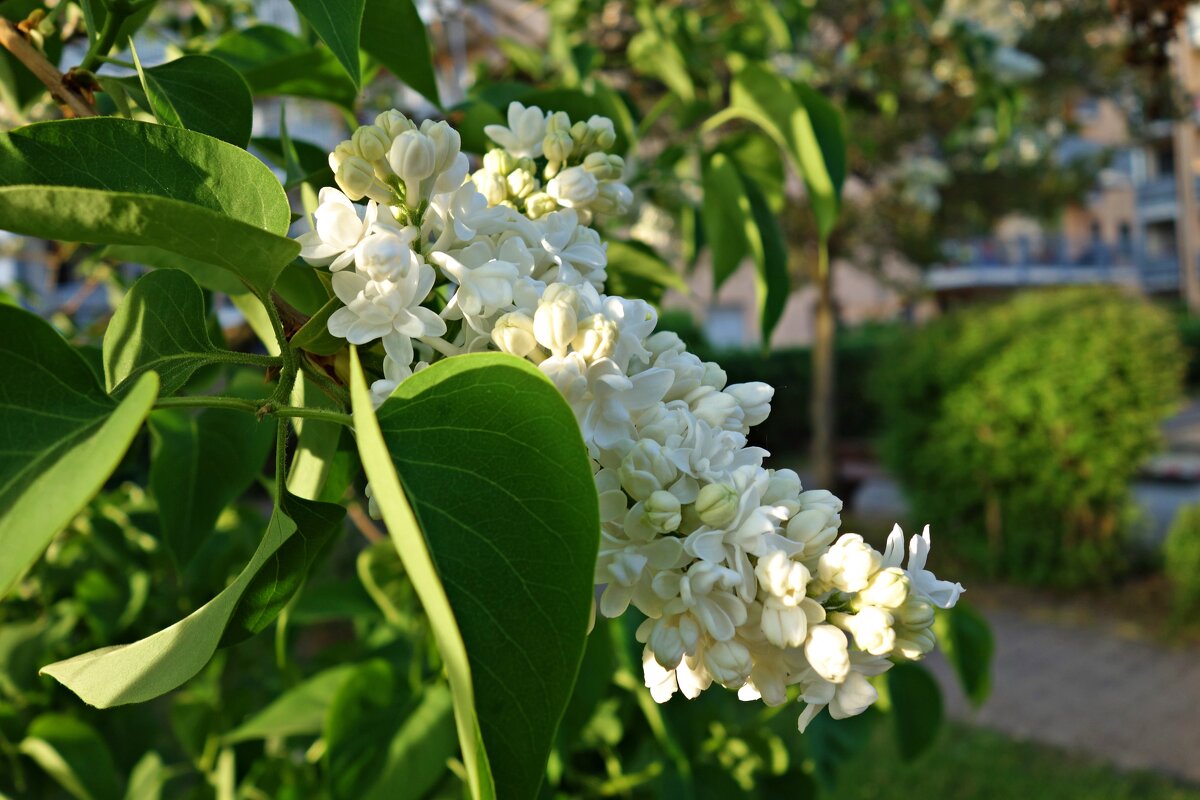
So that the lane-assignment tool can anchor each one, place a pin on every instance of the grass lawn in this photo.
(973, 764)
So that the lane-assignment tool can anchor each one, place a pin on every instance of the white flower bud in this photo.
(446, 143)
(612, 197)
(754, 398)
(513, 334)
(521, 183)
(714, 376)
(492, 185)
(557, 146)
(717, 504)
(815, 529)
(393, 123)
(599, 165)
(499, 161)
(828, 653)
(661, 511)
(596, 338)
(372, 142)
(716, 408)
(784, 485)
(849, 564)
(344, 150)
(821, 498)
(556, 322)
(729, 663)
(871, 628)
(888, 589)
(602, 131)
(916, 613)
(539, 204)
(646, 469)
(913, 645)
(573, 187)
(558, 121)
(413, 157)
(356, 177)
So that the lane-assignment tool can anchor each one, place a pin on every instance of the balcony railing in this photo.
(1049, 261)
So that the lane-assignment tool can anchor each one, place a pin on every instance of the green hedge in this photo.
(1016, 428)
(788, 430)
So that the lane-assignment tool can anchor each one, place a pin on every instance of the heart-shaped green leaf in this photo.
(161, 325)
(61, 436)
(492, 461)
(337, 22)
(143, 670)
(113, 181)
(197, 92)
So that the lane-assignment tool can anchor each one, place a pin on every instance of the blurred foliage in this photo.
(1016, 429)
(1181, 557)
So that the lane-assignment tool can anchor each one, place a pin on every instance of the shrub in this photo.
(1017, 427)
(1182, 560)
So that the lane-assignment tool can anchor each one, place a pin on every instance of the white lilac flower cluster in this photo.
(740, 572)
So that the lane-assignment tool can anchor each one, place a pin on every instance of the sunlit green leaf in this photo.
(337, 22)
(635, 270)
(161, 325)
(61, 436)
(197, 92)
(299, 711)
(727, 217)
(274, 62)
(150, 667)
(454, 433)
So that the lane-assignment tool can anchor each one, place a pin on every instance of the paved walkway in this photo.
(1130, 702)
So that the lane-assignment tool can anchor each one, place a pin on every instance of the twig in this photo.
(72, 102)
(364, 523)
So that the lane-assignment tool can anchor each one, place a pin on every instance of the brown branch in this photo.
(72, 101)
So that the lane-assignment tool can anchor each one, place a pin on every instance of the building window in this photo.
(725, 327)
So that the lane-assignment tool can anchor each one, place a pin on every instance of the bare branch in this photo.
(72, 101)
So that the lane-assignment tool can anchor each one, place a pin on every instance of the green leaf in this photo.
(727, 217)
(318, 471)
(314, 336)
(829, 126)
(364, 714)
(209, 276)
(394, 33)
(417, 754)
(382, 575)
(916, 708)
(311, 163)
(317, 525)
(72, 753)
(201, 463)
(635, 270)
(161, 325)
(274, 62)
(300, 711)
(61, 436)
(196, 92)
(761, 96)
(414, 552)
(169, 188)
(967, 640)
(529, 535)
(140, 158)
(770, 259)
(148, 778)
(143, 670)
(469, 118)
(337, 22)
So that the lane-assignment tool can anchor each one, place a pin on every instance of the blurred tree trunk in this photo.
(824, 410)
